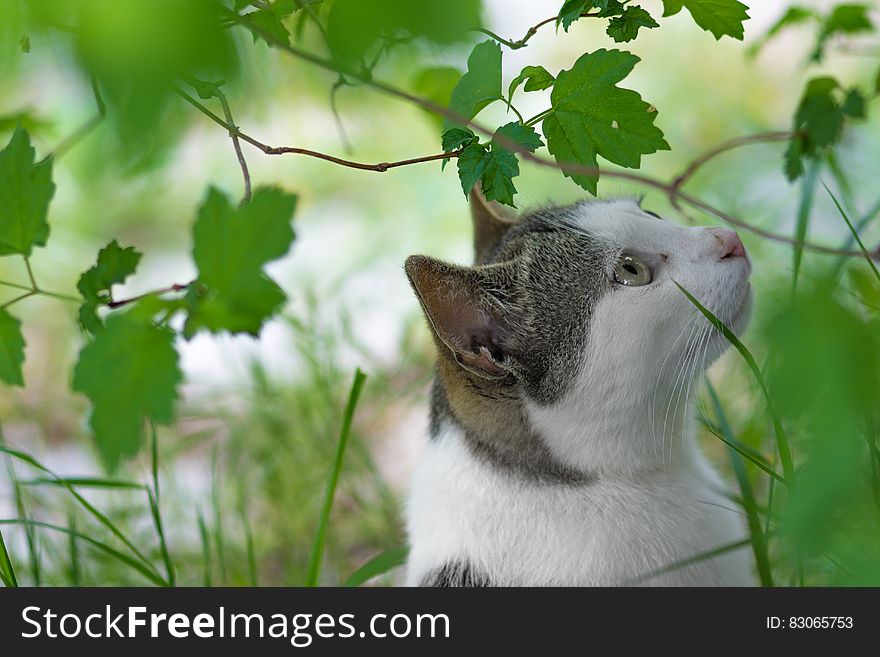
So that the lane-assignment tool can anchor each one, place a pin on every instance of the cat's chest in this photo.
(525, 532)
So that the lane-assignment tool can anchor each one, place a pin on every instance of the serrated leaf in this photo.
(114, 264)
(523, 135)
(720, 17)
(818, 121)
(130, 373)
(11, 349)
(535, 77)
(843, 19)
(26, 189)
(626, 27)
(480, 86)
(456, 138)
(231, 246)
(854, 104)
(494, 166)
(792, 16)
(497, 179)
(271, 20)
(570, 12)
(592, 116)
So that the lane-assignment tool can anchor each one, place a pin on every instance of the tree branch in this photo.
(380, 167)
(177, 287)
(532, 31)
(669, 189)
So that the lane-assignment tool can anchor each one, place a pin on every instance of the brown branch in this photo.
(177, 287)
(380, 167)
(569, 168)
(729, 145)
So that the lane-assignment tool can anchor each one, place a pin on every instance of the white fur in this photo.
(655, 500)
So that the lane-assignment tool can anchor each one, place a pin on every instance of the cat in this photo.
(562, 449)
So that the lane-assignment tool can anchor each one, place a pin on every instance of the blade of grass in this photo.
(73, 547)
(100, 517)
(378, 565)
(744, 450)
(684, 563)
(808, 187)
(7, 571)
(103, 547)
(82, 482)
(206, 551)
(219, 542)
(248, 542)
(782, 445)
(333, 479)
(30, 535)
(156, 509)
(854, 232)
(759, 543)
(866, 219)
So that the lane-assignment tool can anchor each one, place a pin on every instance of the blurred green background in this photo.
(244, 465)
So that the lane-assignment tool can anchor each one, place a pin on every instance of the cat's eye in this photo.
(629, 270)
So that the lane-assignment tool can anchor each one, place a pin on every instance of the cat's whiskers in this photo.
(703, 346)
(658, 445)
(677, 381)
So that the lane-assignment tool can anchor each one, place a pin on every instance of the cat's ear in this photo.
(490, 221)
(464, 315)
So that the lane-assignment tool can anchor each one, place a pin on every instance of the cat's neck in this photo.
(606, 430)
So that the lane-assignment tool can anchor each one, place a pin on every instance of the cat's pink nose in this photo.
(729, 243)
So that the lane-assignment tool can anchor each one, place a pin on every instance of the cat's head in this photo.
(574, 309)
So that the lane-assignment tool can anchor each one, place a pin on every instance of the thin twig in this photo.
(177, 287)
(729, 145)
(284, 150)
(521, 43)
(233, 134)
(27, 264)
(17, 299)
(86, 128)
(511, 145)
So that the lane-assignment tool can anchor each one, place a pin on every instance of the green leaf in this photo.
(570, 12)
(523, 135)
(114, 265)
(11, 349)
(25, 192)
(231, 246)
(471, 164)
(494, 166)
(844, 19)
(626, 26)
(720, 17)
(271, 20)
(481, 85)
(592, 116)
(355, 26)
(436, 84)
(456, 138)
(535, 77)
(130, 373)
(854, 104)
(819, 121)
(792, 16)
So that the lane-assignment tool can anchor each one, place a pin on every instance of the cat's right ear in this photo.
(490, 222)
(463, 314)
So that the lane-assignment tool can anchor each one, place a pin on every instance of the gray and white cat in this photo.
(562, 446)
